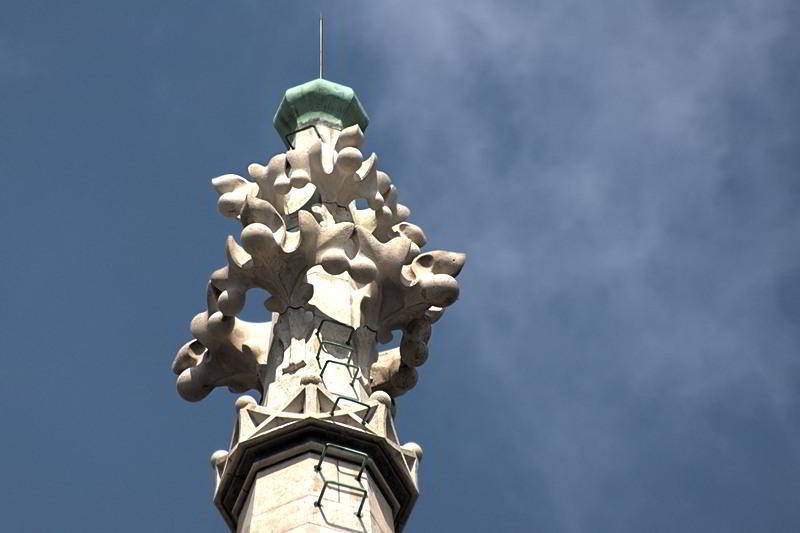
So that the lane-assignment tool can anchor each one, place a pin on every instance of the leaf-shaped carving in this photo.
(300, 212)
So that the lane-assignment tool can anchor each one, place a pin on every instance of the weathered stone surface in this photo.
(259, 474)
(322, 258)
(283, 497)
(324, 234)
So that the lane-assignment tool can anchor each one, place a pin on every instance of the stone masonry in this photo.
(323, 233)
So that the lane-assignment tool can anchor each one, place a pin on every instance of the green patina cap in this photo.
(318, 102)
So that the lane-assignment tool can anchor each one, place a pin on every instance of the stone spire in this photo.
(324, 235)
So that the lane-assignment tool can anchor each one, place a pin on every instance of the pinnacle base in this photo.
(269, 480)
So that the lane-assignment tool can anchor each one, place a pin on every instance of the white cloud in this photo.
(593, 144)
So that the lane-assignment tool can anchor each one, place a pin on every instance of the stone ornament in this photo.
(324, 235)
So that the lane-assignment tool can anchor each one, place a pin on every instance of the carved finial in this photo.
(324, 234)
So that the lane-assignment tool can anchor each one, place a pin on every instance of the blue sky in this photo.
(624, 176)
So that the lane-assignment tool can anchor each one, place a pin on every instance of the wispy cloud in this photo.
(624, 179)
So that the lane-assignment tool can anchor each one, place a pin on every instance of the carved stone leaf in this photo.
(298, 214)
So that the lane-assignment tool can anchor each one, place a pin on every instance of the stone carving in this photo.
(323, 259)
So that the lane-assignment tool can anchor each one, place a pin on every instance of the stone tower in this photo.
(324, 235)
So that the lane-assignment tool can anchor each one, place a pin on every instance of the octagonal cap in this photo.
(318, 102)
